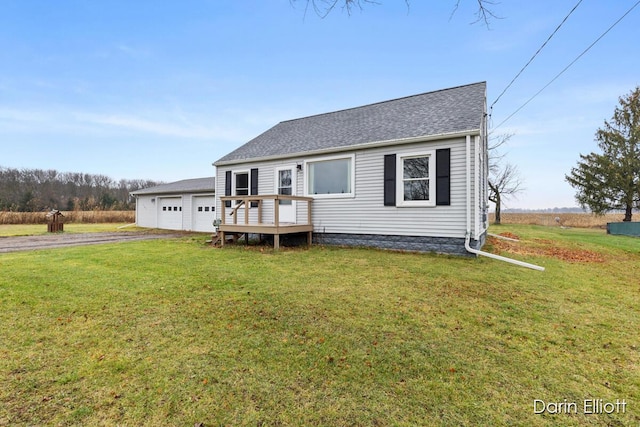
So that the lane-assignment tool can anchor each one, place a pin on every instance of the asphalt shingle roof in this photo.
(444, 111)
(196, 185)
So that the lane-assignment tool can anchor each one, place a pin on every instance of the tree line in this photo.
(36, 190)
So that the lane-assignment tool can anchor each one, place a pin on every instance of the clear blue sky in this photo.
(161, 89)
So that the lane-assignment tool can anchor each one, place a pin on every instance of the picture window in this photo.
(331, 177)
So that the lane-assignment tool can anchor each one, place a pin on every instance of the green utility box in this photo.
(624, 228)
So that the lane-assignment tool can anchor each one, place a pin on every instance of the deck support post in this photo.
(237, 228)
(247, 205)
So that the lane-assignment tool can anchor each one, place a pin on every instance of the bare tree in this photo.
(323, 8)
(484, 12)
(37, 189)
(504, 177)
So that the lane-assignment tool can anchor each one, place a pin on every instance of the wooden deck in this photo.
(257, 225)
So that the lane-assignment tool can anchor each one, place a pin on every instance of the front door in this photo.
(286, 184)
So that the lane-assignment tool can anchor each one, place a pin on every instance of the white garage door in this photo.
(170, 214)
(204, 213)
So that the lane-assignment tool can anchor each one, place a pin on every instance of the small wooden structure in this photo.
(54, 221)
(257, 226)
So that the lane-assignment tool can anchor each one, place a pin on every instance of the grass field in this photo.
(37, 229)
(580, 220)
(178, 333)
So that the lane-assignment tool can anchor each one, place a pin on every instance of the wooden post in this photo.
(309, 222)
(276, 222)
(223, 212)
(260, 211)
(247, 204)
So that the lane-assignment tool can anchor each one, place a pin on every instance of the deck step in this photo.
(215, 239)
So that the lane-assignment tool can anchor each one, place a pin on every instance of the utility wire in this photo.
(568, 66)
(536, 54)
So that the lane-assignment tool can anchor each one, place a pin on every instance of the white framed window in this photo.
(330, 177)
(240, 184)
(416, 179)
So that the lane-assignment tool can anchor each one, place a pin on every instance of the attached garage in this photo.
(170, 213)
(182, 205)
(203, 212)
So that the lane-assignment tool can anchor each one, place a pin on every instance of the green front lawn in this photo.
(172, 332)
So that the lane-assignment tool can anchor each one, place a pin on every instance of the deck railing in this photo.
(255, 224)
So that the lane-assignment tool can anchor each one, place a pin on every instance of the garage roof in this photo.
(196, 185)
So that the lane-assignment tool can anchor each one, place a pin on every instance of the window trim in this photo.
(400, 202)
(352, 177)
(233, 182)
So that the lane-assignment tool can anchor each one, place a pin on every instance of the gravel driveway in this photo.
(59, 240)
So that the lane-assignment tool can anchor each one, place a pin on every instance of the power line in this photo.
(536, 54)
(568, 66)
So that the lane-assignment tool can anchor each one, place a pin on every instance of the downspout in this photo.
(499, 257)
(476, 187)
(467, 238)
(468, 173)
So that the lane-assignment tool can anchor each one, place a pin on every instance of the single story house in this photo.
(182, 205)
(408, 173)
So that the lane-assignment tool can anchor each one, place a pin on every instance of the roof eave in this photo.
(155, 193)
(374, 144)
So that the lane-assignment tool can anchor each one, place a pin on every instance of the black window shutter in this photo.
(443, 177)
(227, 187)
(390, 180)
(254, 186)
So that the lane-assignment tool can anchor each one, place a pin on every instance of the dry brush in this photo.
(77, 217)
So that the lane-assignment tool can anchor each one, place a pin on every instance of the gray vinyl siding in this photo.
(187, 205)
(146, 211)
(148, 205)
(266, 185)
(472, 190)
(365, 213)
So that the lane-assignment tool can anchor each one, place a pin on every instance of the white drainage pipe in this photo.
(498, 257)
(497, 236)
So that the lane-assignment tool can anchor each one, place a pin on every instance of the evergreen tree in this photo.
(611, 180)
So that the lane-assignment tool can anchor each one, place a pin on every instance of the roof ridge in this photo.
(438, 112)
(192, 179)
(383, 102)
